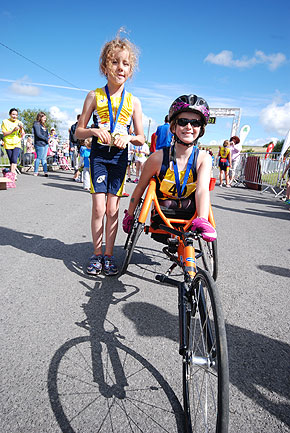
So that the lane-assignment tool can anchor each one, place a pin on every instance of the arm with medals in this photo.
(138, 138)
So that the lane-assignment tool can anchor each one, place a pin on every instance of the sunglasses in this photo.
(182, 121)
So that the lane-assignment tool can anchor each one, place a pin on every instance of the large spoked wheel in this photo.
(209, 256)
(132, 238)
(205, 364)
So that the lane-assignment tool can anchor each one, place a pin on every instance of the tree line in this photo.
(28, 117)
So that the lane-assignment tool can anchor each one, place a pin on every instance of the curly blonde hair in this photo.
(108, 50)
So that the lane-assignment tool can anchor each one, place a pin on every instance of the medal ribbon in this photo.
(112, 121)
(176, 174)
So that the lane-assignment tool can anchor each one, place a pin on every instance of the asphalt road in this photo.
(84, 354)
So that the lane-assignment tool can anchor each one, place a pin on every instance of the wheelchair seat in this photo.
(156, 220)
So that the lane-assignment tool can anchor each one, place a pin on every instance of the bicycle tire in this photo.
(129, 247)
(205, 363)
(209, 256)
(131, 244)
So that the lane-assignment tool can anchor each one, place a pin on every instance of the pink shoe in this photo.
(136, 180)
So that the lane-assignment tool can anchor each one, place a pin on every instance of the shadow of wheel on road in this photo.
(104, 386)
(98, 384)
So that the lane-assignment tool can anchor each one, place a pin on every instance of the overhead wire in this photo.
(37, 64)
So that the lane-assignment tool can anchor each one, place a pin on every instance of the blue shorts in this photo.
(107, 178)
(13, 154)
(224, 166)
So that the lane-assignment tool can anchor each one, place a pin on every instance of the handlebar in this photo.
(181, 233)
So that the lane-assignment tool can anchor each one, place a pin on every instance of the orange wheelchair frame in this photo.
(185, 253)
(202, 334)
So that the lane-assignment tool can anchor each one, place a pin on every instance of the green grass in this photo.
(272, 179)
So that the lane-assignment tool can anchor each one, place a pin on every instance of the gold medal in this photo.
(113, 138)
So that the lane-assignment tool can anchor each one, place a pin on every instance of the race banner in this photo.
(243, 133)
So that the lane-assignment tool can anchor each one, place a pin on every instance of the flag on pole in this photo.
(243, 133)
(269, 149)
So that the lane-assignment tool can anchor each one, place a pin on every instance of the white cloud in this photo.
(276, 117)
(65, 119)
(225, 58)
(20, 88)
(274, 60)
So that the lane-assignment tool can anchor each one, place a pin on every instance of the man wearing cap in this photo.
(235, 148)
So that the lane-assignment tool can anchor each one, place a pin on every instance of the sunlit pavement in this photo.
(85, 354)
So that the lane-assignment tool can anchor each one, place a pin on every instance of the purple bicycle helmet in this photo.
(191, 103)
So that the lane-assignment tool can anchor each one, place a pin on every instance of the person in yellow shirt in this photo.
(225, 162)
(114, 110)
(13, 133)
(182, 171)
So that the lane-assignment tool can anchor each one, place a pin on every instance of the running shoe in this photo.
(125, 194)
(95, 265)
(136, 180)
(287, 201)
(110, 267)
(129, 180)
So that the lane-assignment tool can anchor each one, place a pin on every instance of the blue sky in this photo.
(234, 54)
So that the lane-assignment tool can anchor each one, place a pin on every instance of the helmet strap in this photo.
(177, 140)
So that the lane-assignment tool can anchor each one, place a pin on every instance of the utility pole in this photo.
(149, 123)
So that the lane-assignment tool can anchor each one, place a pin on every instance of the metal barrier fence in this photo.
(25, 159)
(22, 161)
(261, 172)
(4, 161)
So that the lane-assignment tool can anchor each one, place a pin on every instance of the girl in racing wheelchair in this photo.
(182, 171)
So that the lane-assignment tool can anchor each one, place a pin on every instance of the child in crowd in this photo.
(29, 145)
(140, 156)
(113, 110)
(182, 171)
(53, 144)
(130, 161)
(85, 151)
(225, 163)
(63, 160)
(65, 149)
(28, 155)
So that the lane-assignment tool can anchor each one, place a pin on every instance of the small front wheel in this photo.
(205, 362)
